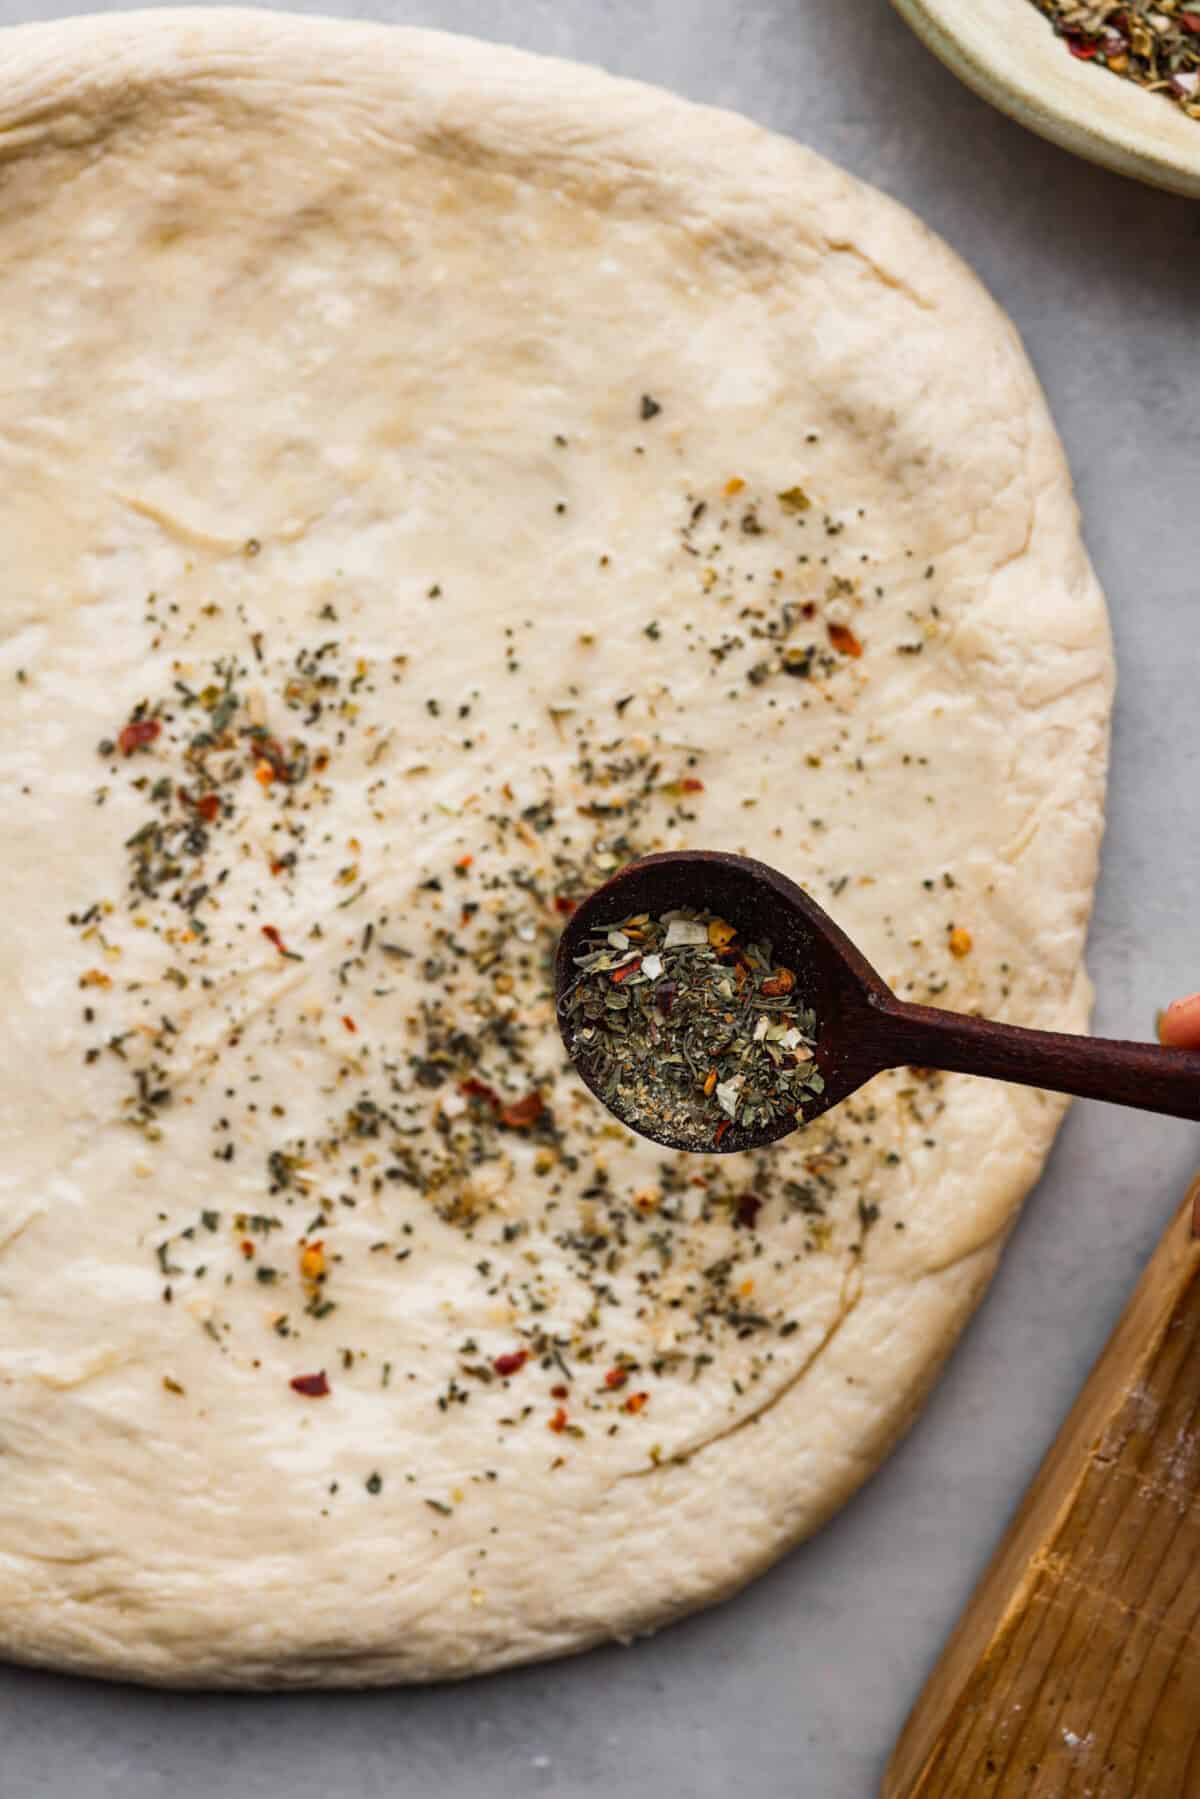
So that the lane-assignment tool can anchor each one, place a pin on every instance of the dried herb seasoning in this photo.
(230, 872)
(1157, 46)
(685, 1030)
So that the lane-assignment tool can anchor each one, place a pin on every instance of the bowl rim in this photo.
(1005, 51)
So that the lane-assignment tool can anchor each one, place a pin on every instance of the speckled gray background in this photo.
(800, 1686)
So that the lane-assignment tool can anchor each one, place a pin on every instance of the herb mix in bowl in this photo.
(684, 1030)
(1157, 46)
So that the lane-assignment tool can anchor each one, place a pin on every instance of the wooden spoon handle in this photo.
(1126, 1074)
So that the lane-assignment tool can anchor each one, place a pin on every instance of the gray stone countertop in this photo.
(798, 1687)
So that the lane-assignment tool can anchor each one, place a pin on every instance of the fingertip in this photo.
(1179, 1025)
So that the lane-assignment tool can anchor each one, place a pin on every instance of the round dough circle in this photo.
(432, 474)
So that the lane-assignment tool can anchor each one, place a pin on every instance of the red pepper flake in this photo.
(844, 641)
(137, 734)
(273, 754)
(521, 1113)
(622, 974)
(512, 1362)
(720, 1131)
(564, 904)
(310, 1386)
(208, 805)
(616, 1377)
(474, 1088)
(1080, 47)
(1190, 21)
(464, 862)
(690, 784)
(247, 1248)
(271, 933)
(559, 1392)
(312, 1260)
(782, 981)
(558, 1423)
(349, 1024)
(517, 1115)
(746, 1208)
(636, 1402)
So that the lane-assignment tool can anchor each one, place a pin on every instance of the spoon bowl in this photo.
(833, 978)
(861, 1027)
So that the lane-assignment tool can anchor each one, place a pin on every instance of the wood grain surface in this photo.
(1075, 1669)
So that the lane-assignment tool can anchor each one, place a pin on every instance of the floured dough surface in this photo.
(428, 477)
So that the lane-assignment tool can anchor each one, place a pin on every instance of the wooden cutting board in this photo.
(1075, 1669)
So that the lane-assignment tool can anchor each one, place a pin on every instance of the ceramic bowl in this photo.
(1006, 50)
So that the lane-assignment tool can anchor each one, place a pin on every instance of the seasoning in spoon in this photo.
(685, 1031)
(1156, 45)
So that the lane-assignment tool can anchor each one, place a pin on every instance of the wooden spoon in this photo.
(862, 1027)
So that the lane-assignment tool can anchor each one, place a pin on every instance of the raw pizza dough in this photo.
(431, 475)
